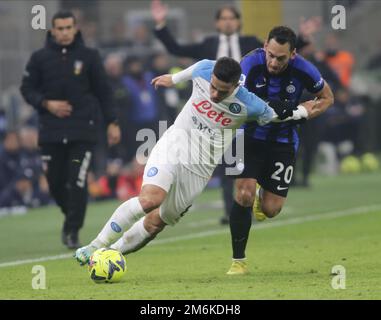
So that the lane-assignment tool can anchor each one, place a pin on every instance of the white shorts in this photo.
(182, 185)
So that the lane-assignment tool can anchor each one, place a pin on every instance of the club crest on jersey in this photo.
(291, 88)
(235, 108)
(152, 172)
(78, 65)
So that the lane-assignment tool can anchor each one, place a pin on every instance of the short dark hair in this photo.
(282, 35)
(227, 70)
(63, 15)
(232, 9)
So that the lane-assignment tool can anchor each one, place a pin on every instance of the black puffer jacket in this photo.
(74, 73)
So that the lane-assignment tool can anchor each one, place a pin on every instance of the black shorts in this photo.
(270, 163)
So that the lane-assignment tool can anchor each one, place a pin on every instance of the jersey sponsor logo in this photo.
(152, 172)
(260, 85)
(291, 88)
(205, 129)
(201, 127)
(280, 188)
(235, 108)
(116, 227)
(205, 107)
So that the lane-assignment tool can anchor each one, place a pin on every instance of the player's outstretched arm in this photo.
(271, 111)
(284, 111)
(163, 81)
(306, 110)
(324, 99)
(169, 80)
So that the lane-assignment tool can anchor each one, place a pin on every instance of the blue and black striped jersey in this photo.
(300, 74)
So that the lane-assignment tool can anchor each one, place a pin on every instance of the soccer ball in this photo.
(107, 265)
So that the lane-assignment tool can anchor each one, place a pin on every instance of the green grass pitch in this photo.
(336, 222)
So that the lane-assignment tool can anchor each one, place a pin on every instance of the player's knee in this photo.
(245, 198)
(245, 192)
(271, 210)
(149, 204)
(151, 197)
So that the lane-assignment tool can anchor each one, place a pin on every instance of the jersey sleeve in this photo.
(184, 75)
(315, 81)
(246, 63)
(257, 109)
(202, 68)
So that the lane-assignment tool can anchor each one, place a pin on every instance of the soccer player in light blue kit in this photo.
(182, 162)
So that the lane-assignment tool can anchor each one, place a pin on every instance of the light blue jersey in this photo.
(241, 102)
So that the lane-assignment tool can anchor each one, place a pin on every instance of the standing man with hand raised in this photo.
(228, 42)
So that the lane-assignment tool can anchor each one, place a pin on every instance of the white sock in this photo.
(241, 259)
(122, 218)
(133, 239)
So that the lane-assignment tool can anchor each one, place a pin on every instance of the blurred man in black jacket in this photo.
(66, 83)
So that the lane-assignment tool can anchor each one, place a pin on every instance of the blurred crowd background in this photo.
(346, 139)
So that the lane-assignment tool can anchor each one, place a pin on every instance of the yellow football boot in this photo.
(257, 207)
(238, 267)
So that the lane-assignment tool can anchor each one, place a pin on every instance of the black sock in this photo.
(240, 223)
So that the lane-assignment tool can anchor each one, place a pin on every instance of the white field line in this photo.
(42, 259)
(264, 225)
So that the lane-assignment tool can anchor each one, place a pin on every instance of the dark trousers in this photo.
(66, 167)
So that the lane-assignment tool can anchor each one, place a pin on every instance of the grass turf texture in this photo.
(337, 222)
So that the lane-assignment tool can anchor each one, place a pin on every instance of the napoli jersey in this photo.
(200, 128)
(300, 74)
